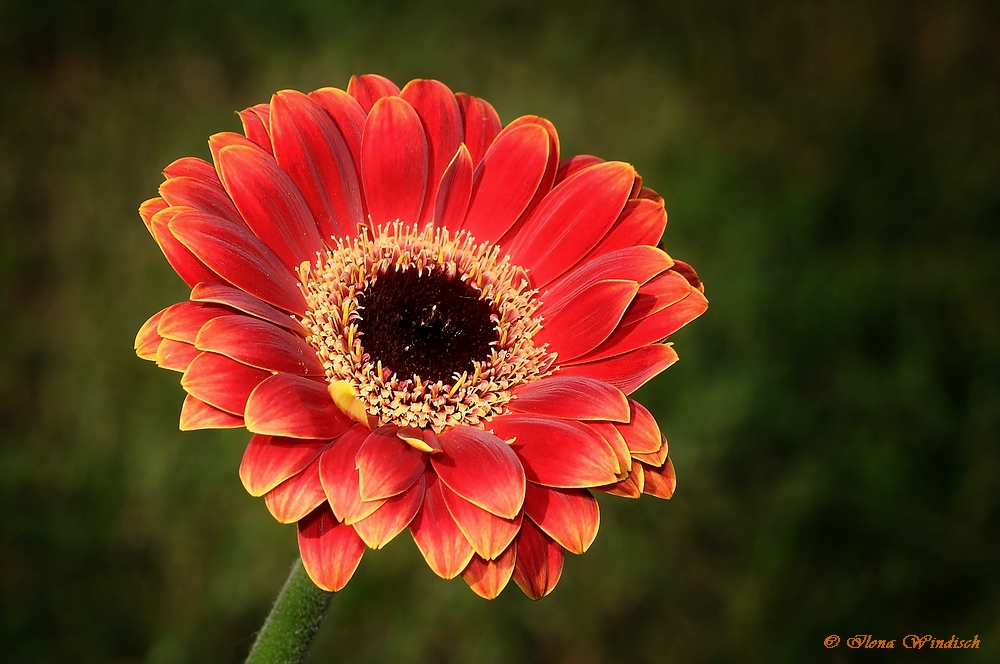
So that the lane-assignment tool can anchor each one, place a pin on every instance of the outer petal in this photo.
(616, 441)
(296, 407)
(438, 110)
(310, 148)
(175, 355)
(641, 433)
(221, 382)
(270, 460)
(259, 344)
(454, 192)
(558, 453)
(657, 458)
(148, 210)
(582, 323)
(571, 220)
(196, 193)
(575, 164)
(506, 181)
(245, 302)
(641, 222)
(394, 162)
(488, 533)
(488, 578)
(239, 257)
(369, 88)
(270, 203)
(340, 477)
(630, 487)
(192, 167)
(573, 398)
(331, 551)
(196, 414)
(187, 266)
(256, 121)
(392, 517)
(661, 482)
(550, 169)
(297, 496)
(688, 273)
(627, 372)
(569, 516)
(349, 117)
(438, 537)
(482, 469)
(387, 466)
(148, 338)
(539, 562)
(182, 321)
(481, 125)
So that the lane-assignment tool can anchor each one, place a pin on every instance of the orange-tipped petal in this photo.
(481, 125)
(192, 167)
(386, 465)
(454, 192)
(297, 496)
(616, 442)
(488, 533)
(573, 398)
(584, 322)
(661, 482)
(641, 433)
(640, 222)
(488, 578)
(378, 528)
(245, 302)
(148, 339)
(482, 469)
(539, 562)
(629, 487)
(293, 406)
(436, 534)
(196, 414)
(569, 516)
(638, 264)
(186, 264)
(349, 116)
(259, 344)
(175, 355)
(222, 382)
(183, 321)
(627, 372)
(688, 273)
(148, 210)
(200, 195)
(394, 164)
(574, 164)
(656, 458)
(256, 121)
(270, 460)
(340, 477)
(330, 551)
(558, 453)
(369, 88)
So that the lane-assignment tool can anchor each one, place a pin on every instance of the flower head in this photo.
(426, 320)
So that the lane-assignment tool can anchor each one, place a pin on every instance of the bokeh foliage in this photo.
(831, 168)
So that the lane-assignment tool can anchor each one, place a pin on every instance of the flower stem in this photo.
(294, 620)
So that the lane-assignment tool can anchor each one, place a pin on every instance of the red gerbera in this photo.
(426, 321)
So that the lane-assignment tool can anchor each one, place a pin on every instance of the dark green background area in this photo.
(832, 169)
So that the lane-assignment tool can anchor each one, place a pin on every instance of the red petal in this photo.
(193, 167)
(571, 220)
(506, 181)
(297, 496)
(649, 194)
(616, 442)
(270, 203)
(571, 165)
(569, 516)
(641, 222)
(222, 382)
(369, 88)
(438, 537)
(198, 194)
(630, 487)
(196, 414)
(259, 344)
(245, 302)
(657, 458)
(627, 372)
(387, 465)
(455, 191)
(387, 521)
(641, 433)
(571, 397)
(558, 453)
(438, 110)
(239, 257)
(661, 482)
(296, 407)
(182, 321)
(582, 323)
(551, 167)
(310, 148)
(639, 264)
(255, 125)
(331, 551)
(488, 578)
(482, 469)
(481, 125)
(149, 208)
(187, 266)
(227, 139)
(539, 562)
(488, 533)
(340, 477)
(147, 339)
(688, 273)
(349, 117)
(270, 460)
(394, 162)
(175, 355)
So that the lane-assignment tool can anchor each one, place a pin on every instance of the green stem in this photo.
(294, 620)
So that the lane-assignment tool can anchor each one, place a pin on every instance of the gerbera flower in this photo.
(427, 321)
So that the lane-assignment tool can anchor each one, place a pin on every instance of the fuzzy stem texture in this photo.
(294, 620)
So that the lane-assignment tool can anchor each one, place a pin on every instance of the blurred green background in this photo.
(832, 169)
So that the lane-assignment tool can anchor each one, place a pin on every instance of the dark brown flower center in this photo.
(425, 324)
